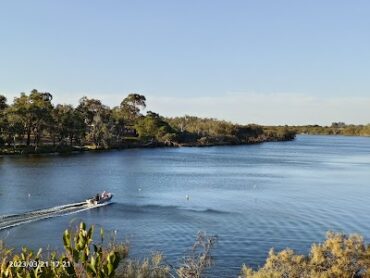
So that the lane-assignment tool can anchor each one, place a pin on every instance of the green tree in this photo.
(13, 128)
(34, 111)
(99, 133)
(119, 124)
(153, 127)
(3, 103)
(3, 125)
(131, 106)
(89, 108)
(98, 119)
(69, 123)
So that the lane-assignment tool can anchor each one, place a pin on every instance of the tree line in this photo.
(32, 119)
(32, 122)
(336, 128)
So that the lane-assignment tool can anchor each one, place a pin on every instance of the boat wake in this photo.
(8, 221)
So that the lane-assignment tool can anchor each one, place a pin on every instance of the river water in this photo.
(284, 194)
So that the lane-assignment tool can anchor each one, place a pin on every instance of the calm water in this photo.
(252, 197)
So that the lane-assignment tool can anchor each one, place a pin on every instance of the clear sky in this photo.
(268, 62)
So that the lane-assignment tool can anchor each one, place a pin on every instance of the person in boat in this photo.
(97, 197)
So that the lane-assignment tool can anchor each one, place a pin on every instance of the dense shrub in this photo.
(85, 256)
(340, 256)
(153, 127)
(82, 258)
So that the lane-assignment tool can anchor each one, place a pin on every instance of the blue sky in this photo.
(268, 62)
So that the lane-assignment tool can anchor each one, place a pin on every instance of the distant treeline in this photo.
(337, 128)
(208, 131)
(31, 123)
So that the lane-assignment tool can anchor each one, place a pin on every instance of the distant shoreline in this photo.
(335, 135)
(32, 124)
(47, 149)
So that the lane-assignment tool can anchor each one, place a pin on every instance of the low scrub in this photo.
(86, 257)
(339, 256)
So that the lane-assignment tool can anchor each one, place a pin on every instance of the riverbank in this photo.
(335, 129)
(32, 124)
(136, 143)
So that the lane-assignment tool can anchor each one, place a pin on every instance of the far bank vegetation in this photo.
(32, 124)
(336, 128)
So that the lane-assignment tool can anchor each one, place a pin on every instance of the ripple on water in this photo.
(281, 194)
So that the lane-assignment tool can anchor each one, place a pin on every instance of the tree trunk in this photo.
(28, 136)
(37, 137)
(37, 140)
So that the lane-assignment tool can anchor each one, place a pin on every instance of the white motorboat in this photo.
(100, 198)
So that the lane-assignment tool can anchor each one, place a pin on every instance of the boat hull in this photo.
(102, 200)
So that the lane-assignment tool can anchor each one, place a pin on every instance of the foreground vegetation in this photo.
(32, 124)
(85, 255)
(339, 256)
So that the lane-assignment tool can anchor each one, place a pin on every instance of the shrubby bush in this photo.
(153, 127)
(82, 258)
(339, 256)
(85, 257)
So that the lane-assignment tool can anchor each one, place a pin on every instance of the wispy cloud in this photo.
(277, 108)
(261, 108)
